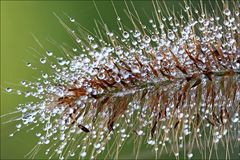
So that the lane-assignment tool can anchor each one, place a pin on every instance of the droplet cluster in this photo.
(167, 84)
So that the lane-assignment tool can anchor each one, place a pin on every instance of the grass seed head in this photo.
(173, 84)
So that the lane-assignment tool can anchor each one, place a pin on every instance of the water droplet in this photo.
(189, 155)
(151, 142)
(38, 134)
(49, 53)
(83, 154)
(45, 75)
(219, 35)
(125, 34)
(43, 60)
(154, 38)
(28, 64)
(146, 39)
(90, 38)
(171, 35)
(47, 141)
(10, 135)
(78, 40)
(61, 62)
(8, 89)
(19, 92)
(18, 126)
(94, 46)
(72, 19)
(101, 75)
(140, 132)
(97, 145)
(74, 49)
(72, 154)
(136, 34)
(227, 12)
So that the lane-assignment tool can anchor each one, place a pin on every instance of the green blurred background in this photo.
(22, 19)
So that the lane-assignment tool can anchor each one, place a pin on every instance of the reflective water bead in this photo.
(171, 35)
(47, 141)
(72, 19)
(38, 134)
(189, 155)
(11, 135)
(49, 53)
(125, 34)
(136, 34)
(83, 154)
(43, 60)
(227, 12)
(72, 154)
(97, 145)
(74, 49)
(154, 38)
(90, 38)
(18, 126)
(45, 75)
(8, 89)
(151, 142)
(146, 39)
(94, 46)
(140, 132)
(78, 40)
(28, 64)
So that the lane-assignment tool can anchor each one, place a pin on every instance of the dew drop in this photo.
(176, 154)
(28, 64)
(189, 155)
(140, 132)
(171, 35)
(94, 46)
(45, 75)
(101, 76)
(154, 38)
(43, 60)
(146, 39)
(90, 38)
(72, 154)
(49, 53)
(125, 34)
(97, 145)
(227, 12)
(18, 126)
(83, 154)
(151, 142)
(72, 19)
(78, 40)
(47, 141)
(38, 134)
(11, 135)
(136, 34)
(8, 89)
(74, 49)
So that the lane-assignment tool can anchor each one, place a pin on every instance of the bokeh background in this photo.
(21, 21)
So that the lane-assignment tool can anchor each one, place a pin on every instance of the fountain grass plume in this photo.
(172, 84)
